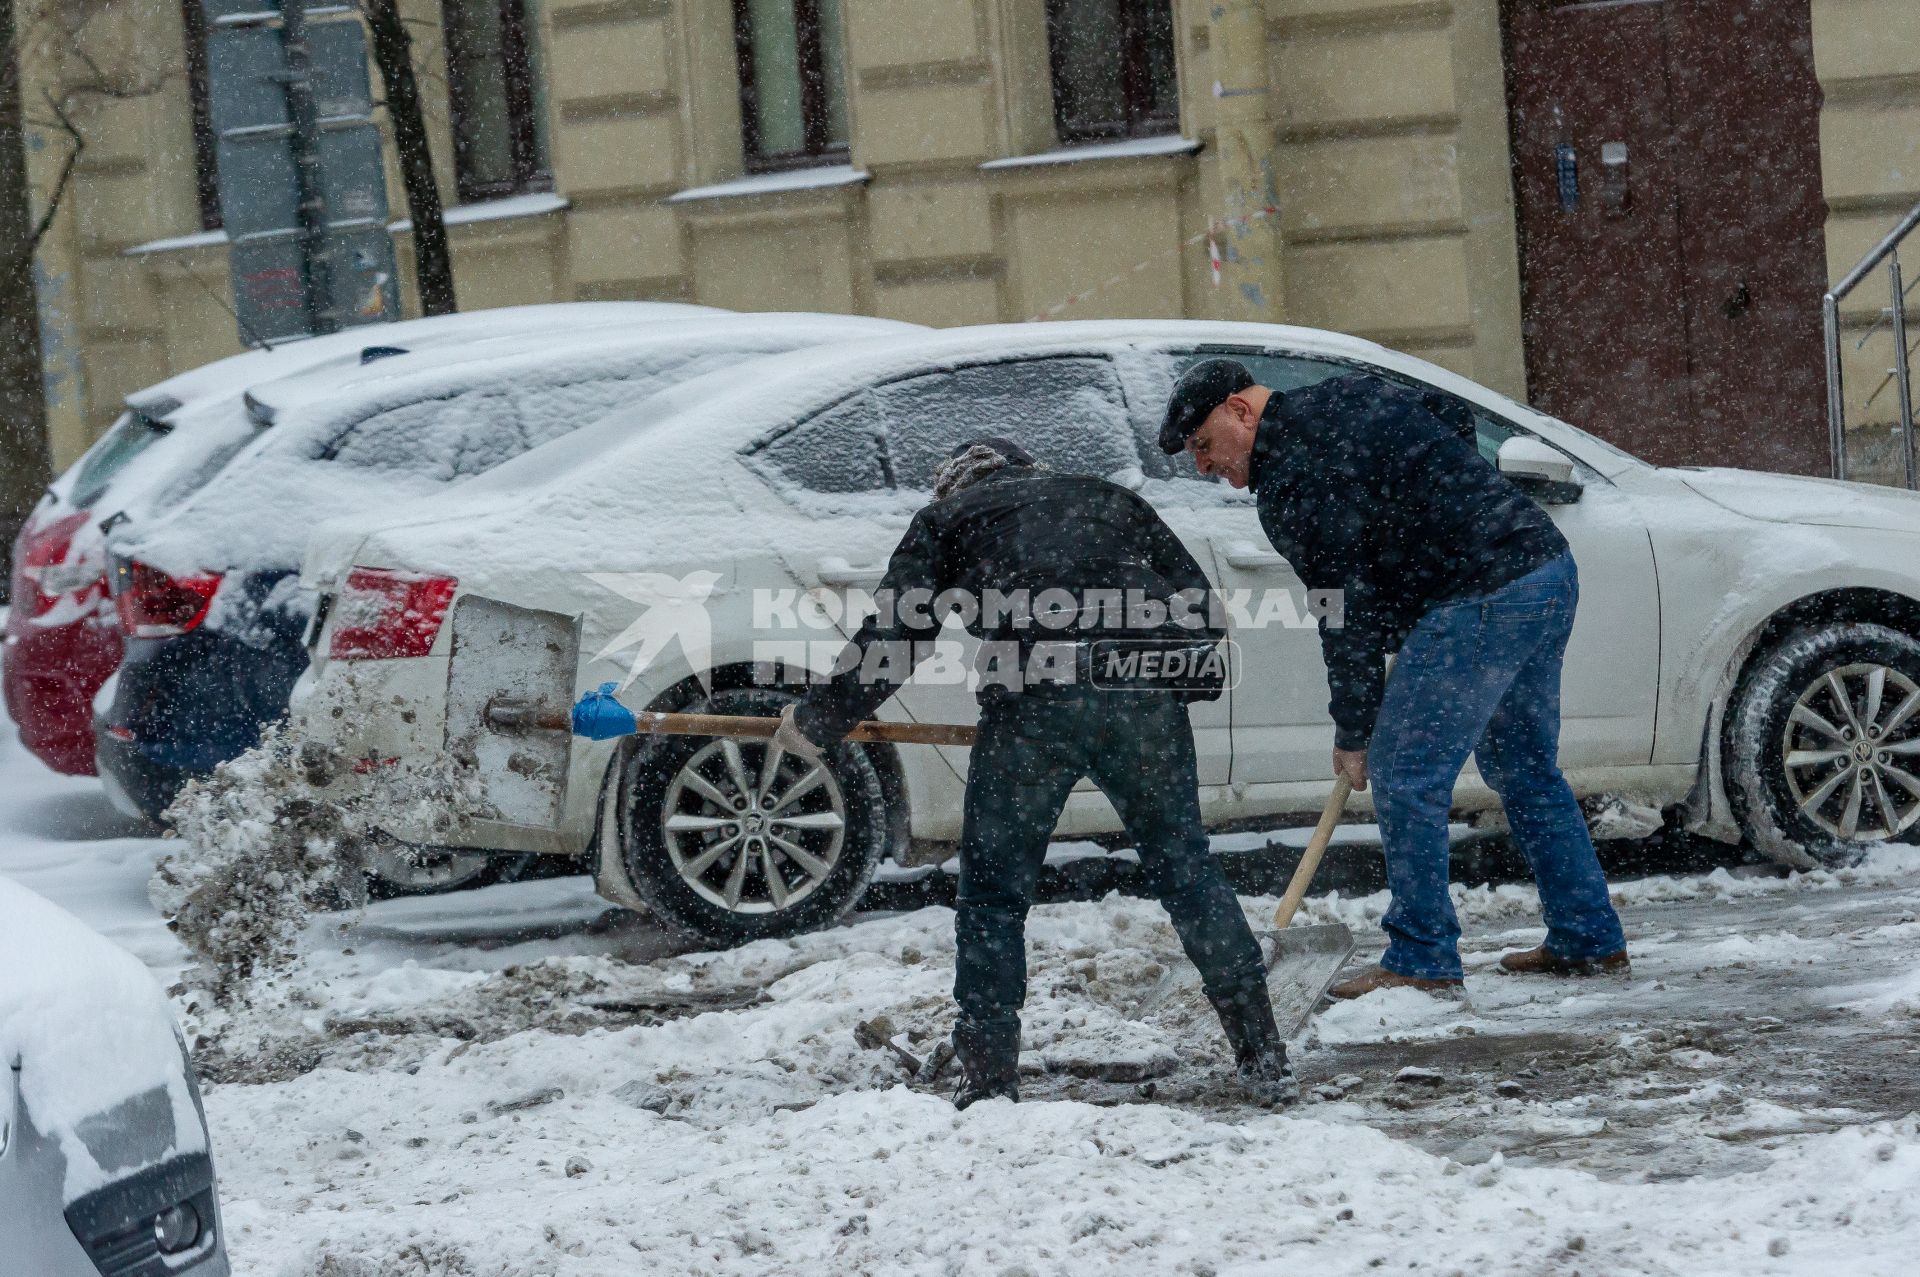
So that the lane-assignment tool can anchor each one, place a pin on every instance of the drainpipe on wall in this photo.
(1248, 236)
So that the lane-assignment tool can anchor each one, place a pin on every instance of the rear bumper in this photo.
(52, 674)
(372, 712)
(137, 784)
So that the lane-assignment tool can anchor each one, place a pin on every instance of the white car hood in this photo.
(1780, 498)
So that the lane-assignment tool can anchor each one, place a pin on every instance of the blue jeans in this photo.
(1481, 676)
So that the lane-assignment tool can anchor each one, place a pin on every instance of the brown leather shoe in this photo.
(1540, 962)
(1378, 977)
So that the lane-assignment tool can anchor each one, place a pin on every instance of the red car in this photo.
(63, 640)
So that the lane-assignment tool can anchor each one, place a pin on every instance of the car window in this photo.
(840, 449)
(203, 471)
(126, 439)
(1070, 413)
(1489, 433)
(548, 412)
(444, 439)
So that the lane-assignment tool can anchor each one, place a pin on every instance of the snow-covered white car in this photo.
(206, 591)
(61, 639)
(1746, 658)
(105, 1166)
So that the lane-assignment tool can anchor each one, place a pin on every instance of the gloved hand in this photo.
(794, 741)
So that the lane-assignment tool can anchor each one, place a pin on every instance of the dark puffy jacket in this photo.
(1365, 489)
(1020, 530)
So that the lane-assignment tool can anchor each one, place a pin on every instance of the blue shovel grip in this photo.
(599, 716)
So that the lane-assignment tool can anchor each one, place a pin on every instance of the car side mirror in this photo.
(1543, 472)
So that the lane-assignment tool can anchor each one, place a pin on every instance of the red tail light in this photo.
(384, 615)
(41, 573)
(154, 605)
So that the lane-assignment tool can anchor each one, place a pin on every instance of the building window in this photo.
(493, 89)
(1113, 68)
(793, 81)
(206, 169)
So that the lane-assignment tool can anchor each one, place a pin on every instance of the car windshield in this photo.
(126, 439)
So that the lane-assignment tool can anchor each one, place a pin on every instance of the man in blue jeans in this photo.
(1378, 490)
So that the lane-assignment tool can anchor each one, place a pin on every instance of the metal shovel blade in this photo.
(1301, 964)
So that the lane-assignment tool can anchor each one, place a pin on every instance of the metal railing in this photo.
(1900, 375)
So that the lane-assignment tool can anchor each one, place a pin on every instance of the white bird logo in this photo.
(676, 608)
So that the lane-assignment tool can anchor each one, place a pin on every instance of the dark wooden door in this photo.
(1667, 167)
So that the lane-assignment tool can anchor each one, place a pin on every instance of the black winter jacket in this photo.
(1018, 530)
(1364, 489)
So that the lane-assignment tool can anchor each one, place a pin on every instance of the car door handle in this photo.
(840, 572)
(1253, 559)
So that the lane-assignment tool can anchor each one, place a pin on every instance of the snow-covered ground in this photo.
(519, 1082)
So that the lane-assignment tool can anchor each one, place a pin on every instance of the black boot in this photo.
(989, 1056)
(1259, 1052)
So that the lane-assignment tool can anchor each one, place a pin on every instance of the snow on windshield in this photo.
(91, 1032)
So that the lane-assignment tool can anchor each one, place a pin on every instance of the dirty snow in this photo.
(521, 1082)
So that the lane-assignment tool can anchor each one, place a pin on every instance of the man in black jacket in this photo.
(1063, 578)
(1377, 490)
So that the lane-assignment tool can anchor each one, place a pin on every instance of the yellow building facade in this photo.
(947, 193)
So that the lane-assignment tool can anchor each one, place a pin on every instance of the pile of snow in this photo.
(89, 1029)
(280, 833)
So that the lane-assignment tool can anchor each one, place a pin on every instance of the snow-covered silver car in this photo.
(105, 1167)
(1746, 661)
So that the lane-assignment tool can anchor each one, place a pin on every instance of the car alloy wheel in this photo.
(1852, 752)
(727, 841)
(752, 828)
(1821, 744)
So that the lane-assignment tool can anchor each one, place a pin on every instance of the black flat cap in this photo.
(1005, 447)
(1200, 390)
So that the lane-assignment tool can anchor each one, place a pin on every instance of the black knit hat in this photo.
(1005, 447)
(1200, 390)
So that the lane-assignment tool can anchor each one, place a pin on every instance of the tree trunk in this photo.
(25, 461)
(393, 54)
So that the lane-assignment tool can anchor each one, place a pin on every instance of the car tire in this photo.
(799, 855)
(1822, 745)
(396, 869)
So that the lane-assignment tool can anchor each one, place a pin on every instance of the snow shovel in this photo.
(1301, 961)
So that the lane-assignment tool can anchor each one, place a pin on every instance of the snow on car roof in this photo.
(236, 372)
(401, 374)
(473, 411)
(664, 455)
(783, 384)
(230, 377)
(655, 472)
(90, 1029)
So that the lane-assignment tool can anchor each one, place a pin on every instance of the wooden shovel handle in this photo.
(738, 725)
(1310, 859)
